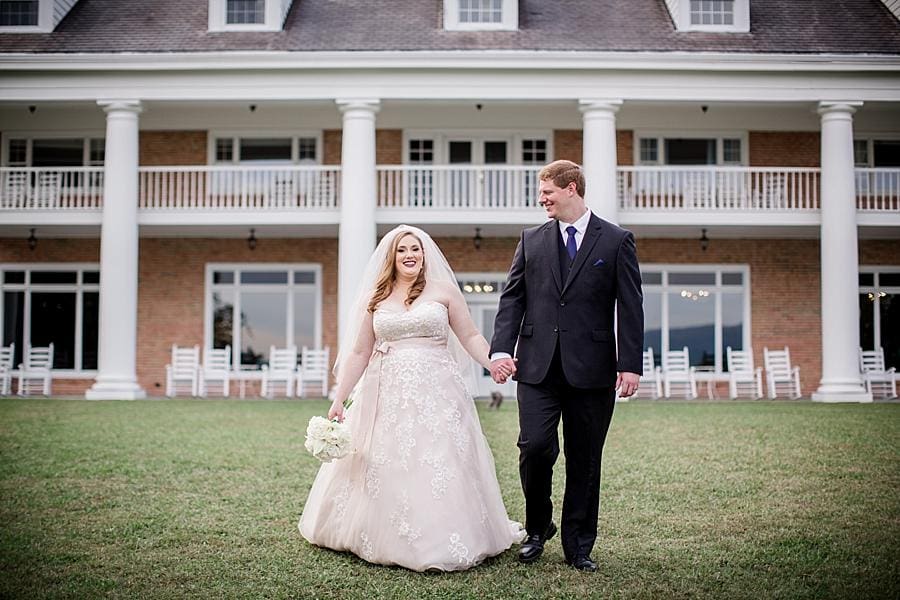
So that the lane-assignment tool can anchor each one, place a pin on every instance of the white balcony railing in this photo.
(718, 188)
(238, 187)
(441, 187)
(878, 190)
(51, 188)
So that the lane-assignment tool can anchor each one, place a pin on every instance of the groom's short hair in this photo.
(562, 173)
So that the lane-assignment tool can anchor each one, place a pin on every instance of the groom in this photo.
(570, 279)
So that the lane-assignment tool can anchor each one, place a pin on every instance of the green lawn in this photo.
(200, 499)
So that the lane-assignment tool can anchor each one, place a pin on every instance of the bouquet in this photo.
(327, 440)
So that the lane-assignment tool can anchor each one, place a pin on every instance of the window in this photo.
(689, 150)
(704, 308)
(18, 13)
(879, 159)
(58, 304)
(481, 14)
(278, 305)
(266, 150)
(712, 12)
(421, 151)
(879, 312)
(247, 15)
(27, 151)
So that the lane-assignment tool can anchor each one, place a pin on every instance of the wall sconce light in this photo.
(252, 108)
(251, 241)
(32, 108)
(476, 241)
(32, 240)
(704, 241)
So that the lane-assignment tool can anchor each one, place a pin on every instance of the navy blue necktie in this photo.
(571, 247)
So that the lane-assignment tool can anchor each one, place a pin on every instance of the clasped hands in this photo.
(504, 368)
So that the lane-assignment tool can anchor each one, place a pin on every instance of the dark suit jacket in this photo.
(538, 309)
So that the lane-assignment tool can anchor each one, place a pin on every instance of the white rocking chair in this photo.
(313, 368)
(280, 372)
(182, 373)
(34, 372)
(781, 377)
(215, 370)
(877, 377)
(7, 356)
(678, 372)
(742, 377)
(651, 380)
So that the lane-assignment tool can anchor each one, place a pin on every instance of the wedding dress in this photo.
(420, 491)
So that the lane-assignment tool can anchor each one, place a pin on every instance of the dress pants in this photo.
(586, 415)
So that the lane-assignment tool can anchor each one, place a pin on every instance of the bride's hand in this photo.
(336, 411)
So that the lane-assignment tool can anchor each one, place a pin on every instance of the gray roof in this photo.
(777, 26)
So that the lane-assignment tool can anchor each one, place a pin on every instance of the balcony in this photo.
(489, 194)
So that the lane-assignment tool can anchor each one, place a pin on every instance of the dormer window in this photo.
(247, 15)
(711, 15)
(32, 16)
(475, 15)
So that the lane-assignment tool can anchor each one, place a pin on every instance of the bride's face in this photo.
(409, 259)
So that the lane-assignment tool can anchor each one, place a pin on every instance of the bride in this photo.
(420, 489)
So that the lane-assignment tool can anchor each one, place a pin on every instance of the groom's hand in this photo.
(627, 384)
(502, 369)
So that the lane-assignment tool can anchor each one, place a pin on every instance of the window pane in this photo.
(14, 322)
(731, 151)
(692, 278)
(57, 153)
(534, 152)
(18, 153)
(649, 150)
(886, 153)
(16, 13)
(90, 327)
(460, 152)
(224, 150)
(889, 279)
(690, 151)
(494, 153)
(263, 324)
(306, 149)
(732, 324)
(264, 277)
(305, 317)
(223, 277)
(304, 276)
(866, 322)
(652, 278)
(241, 12)
(861, 153)
(53, 321)
(49, 277)
(223, 318)
(653, 324)
(98, 152)
(421, 151)
(692, 324)
(271, 151)
(14, 277)
(91, 276)
(890, 329)
(732, 279)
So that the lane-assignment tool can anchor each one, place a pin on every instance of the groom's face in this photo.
(559, 203)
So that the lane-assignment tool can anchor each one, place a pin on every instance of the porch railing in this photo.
(878, 190)
(484, 187)
(718, 188)
(51, 188)
(244, 187)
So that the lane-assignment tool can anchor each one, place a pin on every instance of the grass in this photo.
(171, 499)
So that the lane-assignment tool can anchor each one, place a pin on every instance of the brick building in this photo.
(217, 172)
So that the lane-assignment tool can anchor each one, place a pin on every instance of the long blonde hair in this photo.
(384, 285)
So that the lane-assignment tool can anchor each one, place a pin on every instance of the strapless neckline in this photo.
(411, 309)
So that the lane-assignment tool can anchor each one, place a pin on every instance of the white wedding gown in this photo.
(420, 491)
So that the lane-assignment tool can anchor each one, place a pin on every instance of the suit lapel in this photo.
(591, 235)
(551, 250)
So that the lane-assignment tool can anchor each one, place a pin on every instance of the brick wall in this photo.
(567, 144)
(879, 253)
(162, 148)
(784, 149)
(331, 146)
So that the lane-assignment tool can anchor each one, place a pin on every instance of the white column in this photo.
(599, 156)
(356, 236)
(840, 259)
(119, 257)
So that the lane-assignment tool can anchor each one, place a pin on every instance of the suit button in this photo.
(556, 330)
(562, 303)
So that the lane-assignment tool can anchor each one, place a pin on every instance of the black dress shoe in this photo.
(533, 546)
(583, 563)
